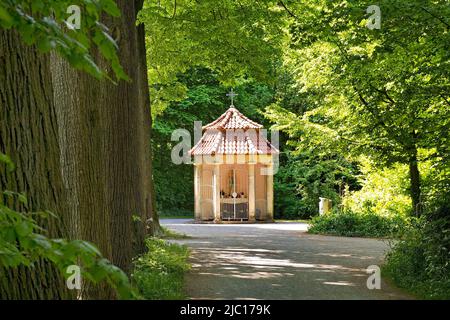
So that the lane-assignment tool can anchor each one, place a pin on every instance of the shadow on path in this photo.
(278, 261)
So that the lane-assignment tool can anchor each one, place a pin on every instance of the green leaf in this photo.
(111, 8)
(5, 18)
(23, 228)
(7, 160)
(45, 44)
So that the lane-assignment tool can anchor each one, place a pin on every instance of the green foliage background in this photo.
(363, 113)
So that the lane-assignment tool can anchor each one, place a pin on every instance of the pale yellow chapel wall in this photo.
(207, 192)
(260, 192)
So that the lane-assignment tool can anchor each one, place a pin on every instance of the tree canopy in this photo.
(234, 39)
(382, 93)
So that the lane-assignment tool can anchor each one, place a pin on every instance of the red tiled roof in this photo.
(233, 119)
(233, 133)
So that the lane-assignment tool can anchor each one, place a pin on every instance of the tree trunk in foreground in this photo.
(104, 140)
(28, 134)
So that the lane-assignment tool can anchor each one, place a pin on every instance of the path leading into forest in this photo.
(278, 261)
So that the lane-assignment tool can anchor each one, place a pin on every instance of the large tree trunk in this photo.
(29, 135)
(83, 127)
(105, 133)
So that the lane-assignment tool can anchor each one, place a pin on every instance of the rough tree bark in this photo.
(28, 134)
(145, 105)
(104, 132)
(83, 131)
(104, 163)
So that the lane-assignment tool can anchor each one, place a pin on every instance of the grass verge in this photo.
(294, 220)
(178, 214)
(170, 234)
(159, 273)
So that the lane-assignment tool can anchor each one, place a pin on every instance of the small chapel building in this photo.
(233, 171)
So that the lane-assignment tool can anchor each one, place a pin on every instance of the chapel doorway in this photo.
(234, 193)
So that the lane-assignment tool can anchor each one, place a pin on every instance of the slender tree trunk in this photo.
(29, 135)
(154, 226)
(415, 185)
(144, 108)
(105, 133)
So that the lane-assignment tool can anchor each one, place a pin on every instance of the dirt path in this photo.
(278, 261)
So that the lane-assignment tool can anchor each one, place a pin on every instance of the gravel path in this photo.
(278, 261)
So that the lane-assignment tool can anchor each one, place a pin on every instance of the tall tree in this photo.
(236, 39)
(96, 173)
(107, 150)
(382, 92)
(144, 104)
(28, 133)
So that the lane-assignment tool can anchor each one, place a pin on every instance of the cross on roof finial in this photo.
(232, 95)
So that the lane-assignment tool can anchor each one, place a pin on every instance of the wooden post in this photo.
(251, 192)
(270, 192)
(197, 191)
(216, 190)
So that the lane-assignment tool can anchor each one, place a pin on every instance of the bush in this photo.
(384, 191)
(351, 224)
(159, 273)
(379, 209)
(303, 178)
(420, 262)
